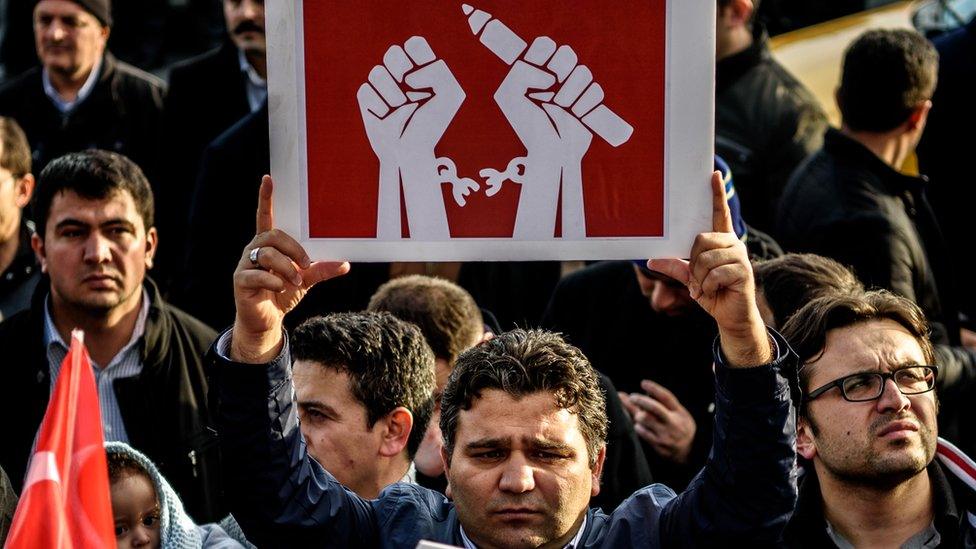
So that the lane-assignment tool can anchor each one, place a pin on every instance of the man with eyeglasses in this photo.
(877, 475)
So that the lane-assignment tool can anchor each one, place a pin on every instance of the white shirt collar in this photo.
(257, 87)
(86, 89)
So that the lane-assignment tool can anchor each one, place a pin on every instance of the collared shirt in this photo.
(86, 89)
(573, 543)
(257, 87)
(127, 363)
(928, 538)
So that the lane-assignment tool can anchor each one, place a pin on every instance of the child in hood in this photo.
(147, 511)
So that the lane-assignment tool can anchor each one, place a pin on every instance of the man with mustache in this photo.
(877, 475)
(95, 240)
(81, 97)
(207, 95)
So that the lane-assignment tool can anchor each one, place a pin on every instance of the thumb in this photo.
(320, 271)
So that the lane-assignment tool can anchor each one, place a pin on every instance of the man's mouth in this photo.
(102, 279)
(516, 513)
(897, 428)
(247, 27)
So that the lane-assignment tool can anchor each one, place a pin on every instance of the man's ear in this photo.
(23, 190)
(152, 241)
(446, 460)
(919, 116)
(597, 471)
(37, 244)
(396, 432)
(806, 444)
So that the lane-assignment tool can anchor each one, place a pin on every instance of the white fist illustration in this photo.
(407, 105)
(538, 95)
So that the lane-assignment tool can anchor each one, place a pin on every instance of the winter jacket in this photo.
(164, 408)
(283, 498)
(124, 114)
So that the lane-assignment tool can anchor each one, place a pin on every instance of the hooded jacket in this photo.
(176, 529)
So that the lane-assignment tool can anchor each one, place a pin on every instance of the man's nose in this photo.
(97, 249)
(662, 298)
(517, 476)
(892, 400)
(251, 9)
(56, 31)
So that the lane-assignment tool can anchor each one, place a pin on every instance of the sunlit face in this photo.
(669, 298)
(879, 442)
(69, 40)
(96, 252)
(136, 511)
(15, 193)
(245, 23)
(334, 424)
(520, 472)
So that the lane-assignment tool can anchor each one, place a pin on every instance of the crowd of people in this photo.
(804, 378)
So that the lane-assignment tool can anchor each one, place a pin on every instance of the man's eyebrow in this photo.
(318, 404)
(69, 222)
(543, 444)
(488, 442)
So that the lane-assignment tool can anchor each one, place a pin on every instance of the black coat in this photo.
(222, 223)
(766, 123)
(945, 154)
(124, 114)
(601, 310)
(846, 203)
(207, 95)
(164, 407)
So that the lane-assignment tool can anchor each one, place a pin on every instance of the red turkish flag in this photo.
(65, 502)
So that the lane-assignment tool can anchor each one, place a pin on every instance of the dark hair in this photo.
(387, 359)
(94, 175)
(523, 362)
(807, 330)
(445, 312)
(792, 280)
(121, 465)
(16, 153)
(886, 75)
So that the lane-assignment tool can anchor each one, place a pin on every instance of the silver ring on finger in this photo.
(253, 256)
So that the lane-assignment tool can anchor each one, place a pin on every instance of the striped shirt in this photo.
(127, 363)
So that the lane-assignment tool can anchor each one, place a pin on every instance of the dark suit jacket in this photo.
(222, 223)
(207, 95)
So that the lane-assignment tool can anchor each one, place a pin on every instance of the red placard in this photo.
(622, 43)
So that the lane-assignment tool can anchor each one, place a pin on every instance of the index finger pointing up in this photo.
(721, 216)
(265, 215)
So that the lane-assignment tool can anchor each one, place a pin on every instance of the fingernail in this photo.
(297, 281)
(306, 262)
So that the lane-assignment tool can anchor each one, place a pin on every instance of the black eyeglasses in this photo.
(913, 380)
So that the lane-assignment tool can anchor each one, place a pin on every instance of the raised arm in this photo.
(747, 490)
(279, 495)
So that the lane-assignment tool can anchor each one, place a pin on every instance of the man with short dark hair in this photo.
(81, 97)
(452, 323)
(766, 121)
(868, 427)
(364, 388)
(526, 447)
(786, 283)
(19, 271)
(95, 241)
(850, 202)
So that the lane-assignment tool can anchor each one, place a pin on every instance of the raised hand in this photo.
(661, 421)
(719, 277)
(272, 277)
(404, 125)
